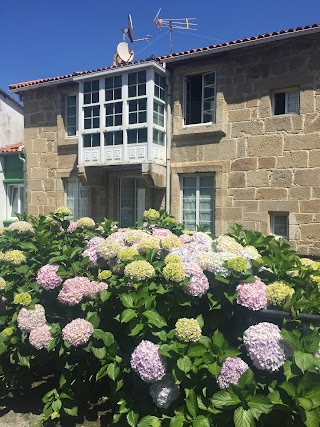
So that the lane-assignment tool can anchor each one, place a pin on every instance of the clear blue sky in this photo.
(45, 38)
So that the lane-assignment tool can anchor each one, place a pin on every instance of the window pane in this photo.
(292, 106)
(279, 103)
(194, 99)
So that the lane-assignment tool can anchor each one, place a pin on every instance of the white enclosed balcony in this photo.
(122, 116)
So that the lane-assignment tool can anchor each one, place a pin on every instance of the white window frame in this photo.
(150, 97)
(273, 216)
(198, 176)
(21, 207)
(76, 210)
(67, 116)
(185, 100)
(286, 92)
(139, 200)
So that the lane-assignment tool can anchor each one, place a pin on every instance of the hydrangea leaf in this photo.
(224, 398)
(201, 421)
(154, 318)
(304, 361)
(149, 421)
(243, 418)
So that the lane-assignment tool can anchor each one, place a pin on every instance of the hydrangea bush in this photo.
(170, 327)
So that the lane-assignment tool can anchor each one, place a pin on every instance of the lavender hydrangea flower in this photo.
(94, 288)
(30, 318)
(72, 226)
(164, 392)
(73, 290)
(47, 277)
(147, 362)
(162, 232)
(203, 239)
(77, 332)
(231, 370)
(91, 249)
(252, 295)
(265, 346)
(184, 254)
(40, 337)
(199, 283)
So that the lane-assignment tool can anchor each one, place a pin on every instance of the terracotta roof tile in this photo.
(11, 148)
(164, 57)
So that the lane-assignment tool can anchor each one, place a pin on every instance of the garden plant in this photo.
(167, 327)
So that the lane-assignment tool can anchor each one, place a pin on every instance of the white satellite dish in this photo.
(125, 52)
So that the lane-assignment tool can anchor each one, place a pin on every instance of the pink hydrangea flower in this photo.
(77, 332)
(162, 232)
(73, 290)
(231, 370)
(40, 337)
(94, 288)
(147, 362)
(72, 226)
(47, 277)
(30, 318)
(199, 283)
(91, 249)
(252, 295)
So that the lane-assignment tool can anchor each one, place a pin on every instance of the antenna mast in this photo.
(174, 23)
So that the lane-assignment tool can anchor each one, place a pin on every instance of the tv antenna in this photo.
(174, 23)
(129, 32)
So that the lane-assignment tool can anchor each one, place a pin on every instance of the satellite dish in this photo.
(130, 29)
(125, 52)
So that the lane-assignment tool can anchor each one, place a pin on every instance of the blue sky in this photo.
(45, 38)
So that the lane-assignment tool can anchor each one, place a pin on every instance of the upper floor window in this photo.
(113, 88)
(159, 86)
(91, 92)
(137, 84)
(91, 140)
(285, 103)
(91, 117)
(200, 102)
(114, 114)
(71, 115)
(113, 138)
(138, 111)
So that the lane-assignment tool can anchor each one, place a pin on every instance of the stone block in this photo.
(39, 145)
(241, 147)
(247, 128)
(310, 232)
(314, 158)
(307, 177)
(39, 198)
(264, 109)
(281, 178)
(293, 159)
(266, 162)
(279, 205)
(312, 123)
(48, 160)
(251, 103)
(37, 118)
(271, 194)
(312, 206)
(265, 145)
(33, 161)
(38, 173)
(33, 210)
(297, 122)
(315, 192)
(258, 178)
(302, 218)
(302, 142)
(256, 216)
(48, 209)
(242, 193)
(35, 185)
(299, 193)
(237, 180)
(247, 205)
(244, 164)
(30, 133)
(307, 101)
(239, 115)
(278, 124)
(233, 214)
(49, 184)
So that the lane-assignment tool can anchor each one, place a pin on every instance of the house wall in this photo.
(262, 163)
(11, 121)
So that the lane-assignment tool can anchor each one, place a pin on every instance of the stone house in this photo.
(217, 135)
(12, 189)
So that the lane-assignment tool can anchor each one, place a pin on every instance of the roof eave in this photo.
(36, 85)
(245, 44)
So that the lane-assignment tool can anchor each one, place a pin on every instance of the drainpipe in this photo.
(168, 138)
(20, 149)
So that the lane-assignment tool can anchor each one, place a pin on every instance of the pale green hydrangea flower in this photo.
(151, 214)
(188, 330)
(174, 272)
(278, 293)
(139, 270)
